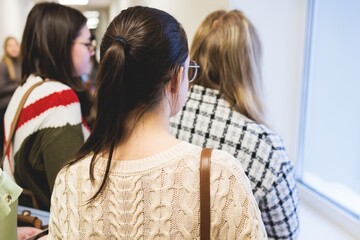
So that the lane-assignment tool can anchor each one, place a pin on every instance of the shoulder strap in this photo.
(205, 194)
(16, 119)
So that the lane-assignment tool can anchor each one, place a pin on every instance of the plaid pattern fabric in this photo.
(208, 120)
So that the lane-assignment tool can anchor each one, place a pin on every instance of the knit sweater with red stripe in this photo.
(49, 132)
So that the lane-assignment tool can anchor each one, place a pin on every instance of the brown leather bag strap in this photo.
(205, 194)
(16, 119)
(28, 220)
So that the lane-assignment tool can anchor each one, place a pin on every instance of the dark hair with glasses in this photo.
(46, 45)
(142, 49)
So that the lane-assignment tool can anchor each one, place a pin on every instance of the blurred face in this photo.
(12, 48)
(81, 52)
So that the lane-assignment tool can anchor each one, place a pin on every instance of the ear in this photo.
(175, 81)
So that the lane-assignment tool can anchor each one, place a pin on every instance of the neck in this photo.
(150, 136)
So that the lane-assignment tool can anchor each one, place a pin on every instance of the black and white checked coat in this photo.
(208, 120)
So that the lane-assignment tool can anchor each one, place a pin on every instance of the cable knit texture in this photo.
(154, 198)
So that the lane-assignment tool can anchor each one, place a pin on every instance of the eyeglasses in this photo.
(89, 45)
(192, 70)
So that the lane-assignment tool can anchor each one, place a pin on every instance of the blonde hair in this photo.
(7, 60)
(228, 50)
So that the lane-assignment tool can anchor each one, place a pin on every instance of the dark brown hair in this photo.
(47, 40)
(141, 50)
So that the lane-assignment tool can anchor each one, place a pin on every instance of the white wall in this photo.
(189, 13)
(12, 19)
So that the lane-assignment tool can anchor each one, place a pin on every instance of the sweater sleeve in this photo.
(235, 213)
(274, 186)
(279, 206)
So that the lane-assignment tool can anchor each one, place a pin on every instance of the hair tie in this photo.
(122, 41)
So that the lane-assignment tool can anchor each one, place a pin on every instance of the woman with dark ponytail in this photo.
(132, 179)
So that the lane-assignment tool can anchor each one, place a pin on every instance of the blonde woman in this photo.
(224, 110)
(9, 78)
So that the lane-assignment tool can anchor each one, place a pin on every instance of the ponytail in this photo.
(104, 137)
(141, 49)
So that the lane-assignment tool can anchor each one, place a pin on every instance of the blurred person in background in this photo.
(10, 73)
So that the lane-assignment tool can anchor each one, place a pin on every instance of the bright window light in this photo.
(329, 150)
(74, 2)
(92, 19)
(92, 23)
(91, 14)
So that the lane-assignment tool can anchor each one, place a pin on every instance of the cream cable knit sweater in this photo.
(154, 198)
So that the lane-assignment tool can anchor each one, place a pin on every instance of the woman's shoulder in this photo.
(55, 86)
(76, 168)
(222, 162)
(212, 100)
(227, 164)
(49, 90)
(217, 156)
(252, 129)
(45, 86)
